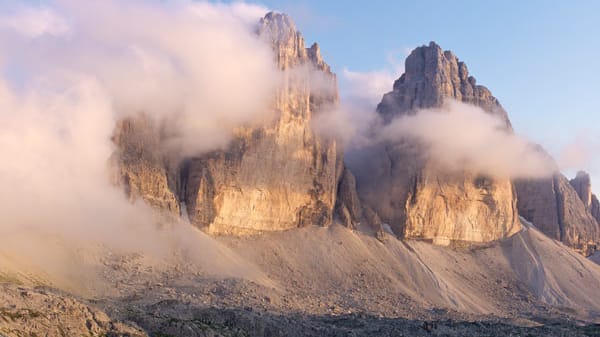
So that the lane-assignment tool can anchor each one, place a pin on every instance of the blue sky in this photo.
(540, 58)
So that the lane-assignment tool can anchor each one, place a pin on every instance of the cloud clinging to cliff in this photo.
(70, 69)
(461, 136)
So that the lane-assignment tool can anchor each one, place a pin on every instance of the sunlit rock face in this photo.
(281, 175)
(276, 176)
(408, 190)
(582, 183)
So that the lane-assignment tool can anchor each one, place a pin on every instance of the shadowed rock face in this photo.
(595, 208)
(411, 193)
(275, 177)
(140, 167)
(348, 207)
(562, 209)
(583, 186)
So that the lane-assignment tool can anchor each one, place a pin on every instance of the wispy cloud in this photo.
(460, 136)
(34, 21)
(85, 65)
(366, 88)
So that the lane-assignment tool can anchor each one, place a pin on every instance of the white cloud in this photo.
(353, 120)
(199, 66)
(34, 22)
(580, 152)
(368, 86)
(461, 136)
(183, 61)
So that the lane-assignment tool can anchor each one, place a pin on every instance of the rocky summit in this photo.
(432, 75)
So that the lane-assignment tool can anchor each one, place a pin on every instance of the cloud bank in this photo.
(70, 70)
(462, 136)
(182, 61)
(580, 151)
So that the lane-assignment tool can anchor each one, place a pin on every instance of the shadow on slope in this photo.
(171, 318)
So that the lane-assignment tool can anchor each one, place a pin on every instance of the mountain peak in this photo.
(583, 186)
(431, 76)
(431, 59)
(280, 31)
(279, 26)
(279, 18)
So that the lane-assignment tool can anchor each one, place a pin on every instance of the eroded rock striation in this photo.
(562, 209)
(582, 183)
(583, 186)
(141, 168)
(595, 208)
(407, 190)
(348, 207)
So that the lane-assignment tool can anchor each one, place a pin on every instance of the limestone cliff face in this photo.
(432, 75)
(582, 184)
(140, 167)
(278, 176)
(409, 191)
(562, 209)
(537, 201)
(595, 208)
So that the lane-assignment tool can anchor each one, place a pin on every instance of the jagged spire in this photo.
(287, 43)
(279, 26)
(432, 75)
(583, 186)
